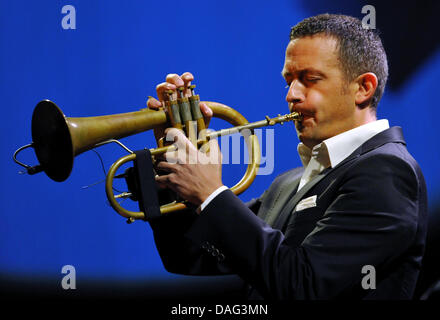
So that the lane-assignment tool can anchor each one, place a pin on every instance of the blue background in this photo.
(118, 53)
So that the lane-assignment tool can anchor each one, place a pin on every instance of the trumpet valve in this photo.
(192, 87)
(170, 94)
(181, 93)
(270, 122)
(281, 122)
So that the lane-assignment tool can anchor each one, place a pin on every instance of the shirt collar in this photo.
(335, 149)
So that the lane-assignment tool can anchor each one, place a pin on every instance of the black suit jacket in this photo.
(371, 209)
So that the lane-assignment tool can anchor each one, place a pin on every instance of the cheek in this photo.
(314, 101)
(315, 95)
(316, 104)
(327, 106)
(342, 108)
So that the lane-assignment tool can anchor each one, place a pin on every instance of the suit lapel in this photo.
(288, 208)
(285, 213)
(393, 134)
(287, 189)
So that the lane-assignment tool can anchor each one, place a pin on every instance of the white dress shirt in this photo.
(334, 150)
(328, 153)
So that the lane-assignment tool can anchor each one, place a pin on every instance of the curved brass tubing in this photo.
(219, 111)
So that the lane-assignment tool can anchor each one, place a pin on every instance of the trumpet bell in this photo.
(57, 139)
(52, 140)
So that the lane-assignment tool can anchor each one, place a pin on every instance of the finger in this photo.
(171, 157)
(162, 88)
(153, 103)
(179, 138)
(163, 180)
(207, 113)
(167, 167)
(215, 153)
(167, 181)
(175, 79)
(160, 185)
(186, 152)
(160, 157)
(187, 77)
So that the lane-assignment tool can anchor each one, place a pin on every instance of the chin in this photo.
(303, 138)
(307, 138)
(302, 131)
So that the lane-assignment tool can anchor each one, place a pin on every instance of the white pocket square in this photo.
(306, 203)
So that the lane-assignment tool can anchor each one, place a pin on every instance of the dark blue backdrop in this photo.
(113, 60)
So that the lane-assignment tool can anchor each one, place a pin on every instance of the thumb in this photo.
(179, 138)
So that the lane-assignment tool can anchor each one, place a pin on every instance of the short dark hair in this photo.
(360, 49)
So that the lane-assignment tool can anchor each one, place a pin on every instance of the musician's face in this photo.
(318, 89)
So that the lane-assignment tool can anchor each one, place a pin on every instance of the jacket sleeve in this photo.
(179, 254)
(372, 220)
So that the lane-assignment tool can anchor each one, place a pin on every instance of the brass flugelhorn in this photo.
(57, 139)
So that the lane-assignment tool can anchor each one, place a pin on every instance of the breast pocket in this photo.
(301, 223)
(306, 214)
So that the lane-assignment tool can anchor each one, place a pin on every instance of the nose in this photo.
(295, 94)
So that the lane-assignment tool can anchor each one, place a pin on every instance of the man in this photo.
(359, 204)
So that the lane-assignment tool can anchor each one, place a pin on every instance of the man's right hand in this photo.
(174, 81)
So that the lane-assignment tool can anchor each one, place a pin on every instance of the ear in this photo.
(367, 84)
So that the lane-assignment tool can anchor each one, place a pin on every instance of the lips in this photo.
(307, 120)
(306, 116)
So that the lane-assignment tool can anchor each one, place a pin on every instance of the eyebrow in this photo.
(303, 71)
